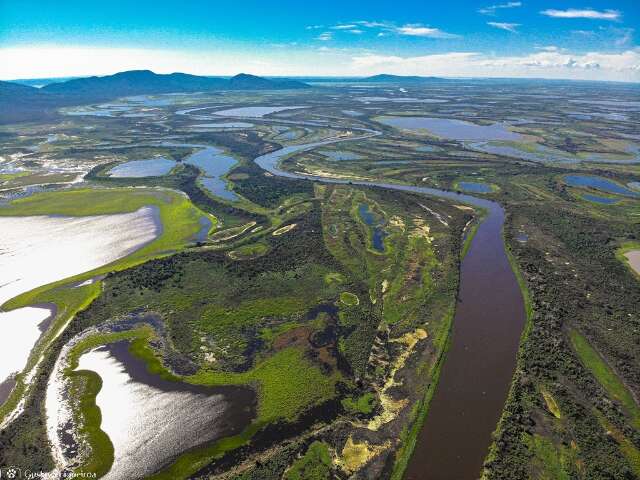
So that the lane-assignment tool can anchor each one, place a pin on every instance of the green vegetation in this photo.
(249, 251)
(628, 449)
(314, 465)
(550, 462)
(289, 297)
(349, 298)
(605, 376)
(551, 403)
(288, 383)
(364, 404)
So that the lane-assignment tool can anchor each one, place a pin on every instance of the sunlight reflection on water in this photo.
(37, 250)
(148, 426)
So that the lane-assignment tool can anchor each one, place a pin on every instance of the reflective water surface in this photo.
(37, 250)
(255, 112)
(19, 331)
(599, 183)
(151, 421)
(452, 128)
(153, 167)
(474, 187)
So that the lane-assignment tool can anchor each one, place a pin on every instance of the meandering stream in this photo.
(488, 322)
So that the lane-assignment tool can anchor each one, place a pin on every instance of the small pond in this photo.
(598, 199)
(378, 234)
(474, 187)
(599, 183)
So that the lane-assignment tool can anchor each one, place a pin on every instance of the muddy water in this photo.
(476, 375)
(477, 372)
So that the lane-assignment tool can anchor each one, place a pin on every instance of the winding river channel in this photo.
(488, 323)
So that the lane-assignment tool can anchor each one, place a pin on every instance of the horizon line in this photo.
(299, 76)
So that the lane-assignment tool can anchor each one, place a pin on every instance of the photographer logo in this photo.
(10, 473)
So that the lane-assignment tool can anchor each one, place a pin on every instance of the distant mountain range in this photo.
(19, 102)
(145, 82)
(387, 78)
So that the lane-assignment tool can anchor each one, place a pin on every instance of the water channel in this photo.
(488, 323)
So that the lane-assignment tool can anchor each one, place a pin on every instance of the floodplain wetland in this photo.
(424, 281)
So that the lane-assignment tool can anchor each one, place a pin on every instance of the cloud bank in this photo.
(551, 62)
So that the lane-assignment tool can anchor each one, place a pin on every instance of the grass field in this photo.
(605, 376)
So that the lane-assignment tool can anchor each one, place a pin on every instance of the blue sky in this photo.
(554, 39)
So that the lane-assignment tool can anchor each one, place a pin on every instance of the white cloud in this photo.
(374, 24)
(313, 27)
(549, 63)
(584, 13)
(491, 10)
(417, 30)
(325, 36)
(509, 27)
(389, 28)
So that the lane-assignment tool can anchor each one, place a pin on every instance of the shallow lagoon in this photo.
(253, 112)
(451, 128)
(153, 167)
(598, 183)
(541, 153)
(401, 99)
(37, 250)
(150, 421)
